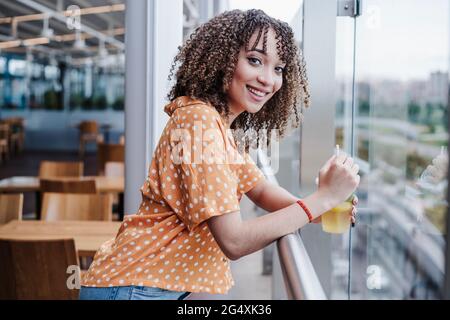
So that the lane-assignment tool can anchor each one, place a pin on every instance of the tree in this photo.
(444, 115)
(413, 112)
(364, 108)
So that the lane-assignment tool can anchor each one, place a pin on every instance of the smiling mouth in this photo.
(257, 92)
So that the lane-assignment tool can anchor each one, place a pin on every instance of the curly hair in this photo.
(207, 61)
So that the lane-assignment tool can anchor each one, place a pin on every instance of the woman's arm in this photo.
(270, 197)
(237, 237)
(338, 178)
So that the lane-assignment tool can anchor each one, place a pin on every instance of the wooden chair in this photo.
(16, 134)
(11, 206)
(88, 133)
(70, 206)
(70, 185)
(37, 269)
(49, 169)
(4, 141)
(109, 152)
(115, 169)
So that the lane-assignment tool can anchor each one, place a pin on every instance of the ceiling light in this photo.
(102, 52)
(47, 32)
(79, 42)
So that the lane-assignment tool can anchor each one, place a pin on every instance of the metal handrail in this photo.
(300, 278)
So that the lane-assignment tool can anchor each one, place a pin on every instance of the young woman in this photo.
(242, 71)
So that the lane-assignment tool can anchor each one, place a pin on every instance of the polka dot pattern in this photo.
(167, 243)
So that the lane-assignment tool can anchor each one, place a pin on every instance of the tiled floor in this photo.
(249, 282)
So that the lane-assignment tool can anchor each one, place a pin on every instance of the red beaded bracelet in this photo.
(305, 208)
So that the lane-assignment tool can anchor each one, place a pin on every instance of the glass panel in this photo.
(287, 169)
(343, 136)
(400, 138)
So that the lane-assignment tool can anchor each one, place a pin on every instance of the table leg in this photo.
(38, 204)
(120, 206)
(106, 136)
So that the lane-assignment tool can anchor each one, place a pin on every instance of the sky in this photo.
(404, 39)
(281, 9)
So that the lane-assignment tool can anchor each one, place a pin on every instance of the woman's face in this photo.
(257, 76)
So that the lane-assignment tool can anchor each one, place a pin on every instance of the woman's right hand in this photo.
(338, 178)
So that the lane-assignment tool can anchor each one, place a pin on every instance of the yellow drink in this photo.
(337, 220)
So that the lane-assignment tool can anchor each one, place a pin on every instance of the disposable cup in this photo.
(337, 220)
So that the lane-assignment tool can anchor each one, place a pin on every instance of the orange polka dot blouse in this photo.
(196, 173)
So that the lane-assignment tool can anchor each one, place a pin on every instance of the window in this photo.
(400, 136)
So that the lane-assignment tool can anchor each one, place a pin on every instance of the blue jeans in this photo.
(130, 293)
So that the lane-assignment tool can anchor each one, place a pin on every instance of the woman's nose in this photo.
(266, 78)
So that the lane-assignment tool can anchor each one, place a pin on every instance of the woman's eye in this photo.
(254, 60)
(279, 69)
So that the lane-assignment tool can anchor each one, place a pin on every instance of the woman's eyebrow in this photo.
(264, 53)
(258, 50)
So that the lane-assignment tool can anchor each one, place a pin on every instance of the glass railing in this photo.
(300, 279)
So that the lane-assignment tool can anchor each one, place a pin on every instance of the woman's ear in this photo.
(225, 87)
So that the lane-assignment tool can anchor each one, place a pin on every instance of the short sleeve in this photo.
(249, 175)
(209, 190)
(207, 186)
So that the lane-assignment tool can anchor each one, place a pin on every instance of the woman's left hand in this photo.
(352, 213)
(354, 209)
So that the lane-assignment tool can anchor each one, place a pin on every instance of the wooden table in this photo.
(31, 184)
(88, 235)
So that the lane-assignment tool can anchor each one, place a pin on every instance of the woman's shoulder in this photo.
(186, 109)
